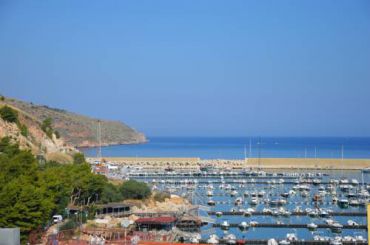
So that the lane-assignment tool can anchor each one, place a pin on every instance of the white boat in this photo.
(316, 181)
(291, 237)
(335, 242)
(238, 201)
(225, 225)
(195, 238)
(284, 242)
(336, 227)
(230, 239)
(312, 226)
(211, 203)
(352, 223)
(213, 239)
(253, 201)
(253, 223)
(243, 225)
(343, 203)
(261, 194)
(233, 193)
(354, 202)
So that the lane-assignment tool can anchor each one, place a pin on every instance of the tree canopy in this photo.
(31, 193)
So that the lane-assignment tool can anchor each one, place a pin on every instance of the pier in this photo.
(304, 213)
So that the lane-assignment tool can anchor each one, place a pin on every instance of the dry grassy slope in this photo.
(36, 141)
(79, 130)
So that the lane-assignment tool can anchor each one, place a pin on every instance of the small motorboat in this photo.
(343, 203)
(213, 239)
(312, 226)
(243, 225)
(211, 203)
(336, 227)
(352, 223)
(225, 225)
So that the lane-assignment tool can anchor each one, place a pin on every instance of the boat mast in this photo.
(305, 153)
(99, 154)
(250, 147)
(342, 155)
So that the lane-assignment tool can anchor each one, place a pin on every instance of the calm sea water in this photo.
(238, 147)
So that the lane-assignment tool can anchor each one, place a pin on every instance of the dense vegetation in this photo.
(31, 192)
(134, 189)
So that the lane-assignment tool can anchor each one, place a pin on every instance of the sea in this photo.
(240, 147)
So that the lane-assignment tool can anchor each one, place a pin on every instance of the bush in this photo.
(79, 158)
(8, 114)
(24, 130)
(69, 225)
(161, 196)
(57, 134)
(2, 98)
(46, 127)
(133, 189)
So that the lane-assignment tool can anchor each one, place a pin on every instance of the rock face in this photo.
(81, 131)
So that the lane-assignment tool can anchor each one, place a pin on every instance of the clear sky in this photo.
(195, 68)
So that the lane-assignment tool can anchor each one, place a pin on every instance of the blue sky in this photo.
(195, 68)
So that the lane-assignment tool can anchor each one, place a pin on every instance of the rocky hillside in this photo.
(78, 130)
(26, 131)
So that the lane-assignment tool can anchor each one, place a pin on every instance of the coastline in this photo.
(88, 146)
(254, 163)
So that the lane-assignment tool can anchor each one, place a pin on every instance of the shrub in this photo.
(24, 130)
(46, 127)
(57, 134)
(69, 225)
(161, 196)
(133, 189)
(79, 158)
(8, 114)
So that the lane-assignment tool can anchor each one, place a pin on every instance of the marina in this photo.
(316, 207)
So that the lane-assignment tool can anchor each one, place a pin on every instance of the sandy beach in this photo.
(263, 163)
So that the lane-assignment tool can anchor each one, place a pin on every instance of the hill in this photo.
(78, 130)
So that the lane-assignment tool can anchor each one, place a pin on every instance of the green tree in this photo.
(31, 193)
(8, 114)
(79, 158)
(133, 189)
(111, 193)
